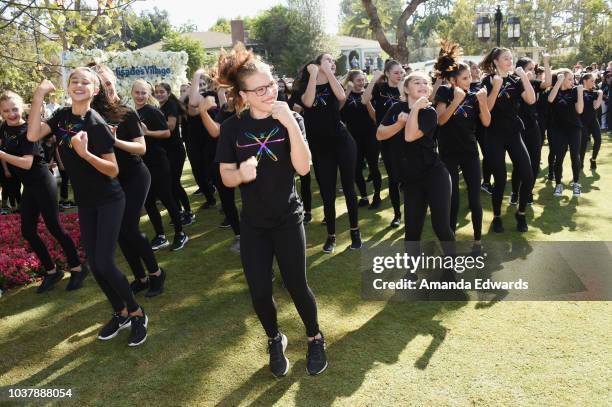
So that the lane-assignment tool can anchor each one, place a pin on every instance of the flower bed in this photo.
(18, 263)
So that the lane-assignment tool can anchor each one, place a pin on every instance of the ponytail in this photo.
(487, 65)
(448, 65)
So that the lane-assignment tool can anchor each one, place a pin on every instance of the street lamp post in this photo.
(498, 22)
(483, 26)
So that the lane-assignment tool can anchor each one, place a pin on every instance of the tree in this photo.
(271, 30)
(399, 49)
(355, 22)
(222, 25)
(175, 41)
(149, 27)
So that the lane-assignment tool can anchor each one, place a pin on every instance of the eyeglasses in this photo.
(262, 90)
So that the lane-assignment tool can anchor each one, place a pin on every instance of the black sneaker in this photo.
(593, 164)
(77, 278)
(316, 361)
(138, 286)
(513, 198)
(139, 329)
(363, 202)
(355, 239)
(330, 244)
(376, 201)
(159, 242)
(530, 199)
(307, 218)
(498, 226)
(112, 328)
(279, 364)
(156, 284)
(49, 280)
(486, 187)
(396, 222)
(180, 240)
(198, 192)
(521, 223)
(209, 204)
(188, 218)
(225, 224)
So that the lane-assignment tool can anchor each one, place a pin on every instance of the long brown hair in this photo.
(487, 65)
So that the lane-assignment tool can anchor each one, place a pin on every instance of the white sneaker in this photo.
(558, 190)
(577, 189)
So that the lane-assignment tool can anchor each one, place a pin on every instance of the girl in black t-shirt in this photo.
(363, 129)
(590, 124)
(85, 144)
(173, 111)
(459, 112)
(382, 93)
(481, 132)
(332, 146)
(26, 162)
(505, 93)
(156, 159)
(226, 195)
(566, 106)
(409, 126)
(135, 181)
(259, 151)
(529, 116)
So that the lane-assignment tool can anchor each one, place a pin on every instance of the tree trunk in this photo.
(399, 50)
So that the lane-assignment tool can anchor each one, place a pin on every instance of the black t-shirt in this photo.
(91, 187)
(271, 200)
(323, 117)
(383, 97)
(505, 118)
(198, 134)
(528, 113)
(413, 160)
(355, 115)
(172, 109)
(15, 142)
(154, 119)
(563, 109)
(543, 107)
(295, 99)
(128, 129)
(223, 114)
(588, 113)
(475, 86)
(458, 134)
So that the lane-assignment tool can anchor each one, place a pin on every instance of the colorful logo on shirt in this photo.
(506, 90)
(9, 140)
(320, 98)
(564, 98)
(463, 108)
(389, 99)
(261, 142)
(354, 100)
(67, 132)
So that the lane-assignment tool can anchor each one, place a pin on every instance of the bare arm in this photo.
(230, 174)
(412, 131)
(24, 162)
(597, 102)
(528, 94)
(213, 128)
(37, 129)
(580, 101)
(547, 83)
(136, 146)
(311, 89)
(171, 123)
(158, 133)
(386, 132)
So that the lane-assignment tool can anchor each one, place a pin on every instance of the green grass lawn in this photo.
(206, 346)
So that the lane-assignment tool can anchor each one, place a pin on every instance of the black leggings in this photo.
(258, 247)
(561, 139)
(470, 168)
(41, 199)
(176, 157)
(64, 185)
(481, 137)
(161, 187)
(197, 158)
(433, 190)
(306, 192)
(368, 149)
(533, 141)
(497, 145)
(11, 190)
(339, 152)
(394, 188)
(133, 243)
(228, 202)
(100, 227)
(589, 129)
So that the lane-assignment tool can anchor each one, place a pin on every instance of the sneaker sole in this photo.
(122, 327)
(155, 248)
(146, 324)
(328, 251)
(351, 247)
(174, 249)
(319, 372)
(224, 226)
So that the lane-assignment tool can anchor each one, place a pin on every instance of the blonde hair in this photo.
(413, 75)
(10, 95)
(150, 99)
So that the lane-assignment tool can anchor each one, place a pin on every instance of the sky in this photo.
(204, 13)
